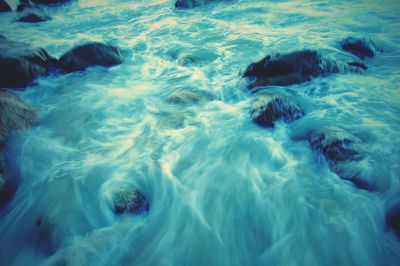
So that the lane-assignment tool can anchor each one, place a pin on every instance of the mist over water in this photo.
(222, 190)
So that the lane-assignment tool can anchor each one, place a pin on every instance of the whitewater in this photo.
(221, 189)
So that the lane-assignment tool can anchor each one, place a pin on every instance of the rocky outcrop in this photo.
(15, 115)
(4, 7)
(392, 219)
(33, 15)
(293, 68)
(20, 64)
(129, 200)
(90, 54)
(267, 109)
(362, 48)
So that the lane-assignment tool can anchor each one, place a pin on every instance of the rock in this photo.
(267, 108)
(24, 4)
(392, 219)
(4, 7)
(362, 48)
(50, 2)
(186, 97)
(336, 145)
(91, 54)
(33, 15)
(15, 114)
(20, 64)
(192, 3)
(129, 200)
(293, 68)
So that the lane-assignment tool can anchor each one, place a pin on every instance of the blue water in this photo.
(222, 191)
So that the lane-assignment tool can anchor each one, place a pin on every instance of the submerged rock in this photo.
(194, 3)
(90, 54)
(293, 68)
(392, 219)
(185, 97)
(50, 2)
(4, 7)
(129, 200)
(362, 48)
(20, 64)
(15, 114)
(267, 108)
(33, 15)
(336, 145)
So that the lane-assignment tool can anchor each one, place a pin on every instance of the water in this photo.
(222, 190)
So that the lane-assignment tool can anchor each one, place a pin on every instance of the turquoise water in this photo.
(222, 191)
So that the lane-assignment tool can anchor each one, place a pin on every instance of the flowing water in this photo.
(222, 191)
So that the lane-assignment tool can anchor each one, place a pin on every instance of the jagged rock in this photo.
(362, 48)
(184, 97)
(20, 64)
(392, 219)
(91, 54)
(129, 200)
(267, 108)
(33, 15)
(15, 114)
(4, 7)
(293, 68)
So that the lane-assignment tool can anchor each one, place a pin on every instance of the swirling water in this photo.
(222, 190)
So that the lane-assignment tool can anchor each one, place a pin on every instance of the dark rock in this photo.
(267, 109)
(15, 114)
(24, 4)
(33, 15)
(91, 54)
(359, 65)
(20, 64)
(50, 2)
(362, 48)
(336, 145)
(129, 200)
(194, 3)
(292, 68)
(392, 218)
(185, 97)
(4, 7)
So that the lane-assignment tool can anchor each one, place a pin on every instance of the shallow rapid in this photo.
(221, 189)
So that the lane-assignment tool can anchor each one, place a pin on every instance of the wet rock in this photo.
(50, 2)
(90, 54)
(186, 97)
(336, 145)
(358, 64)
(20, 64)
(292, 68)
(392, 218)
(24, 4)
(129, 200)
(362, 48)
(4, 7)
(33, 15)
(15, 114)
(193, 3)
(267, 108)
